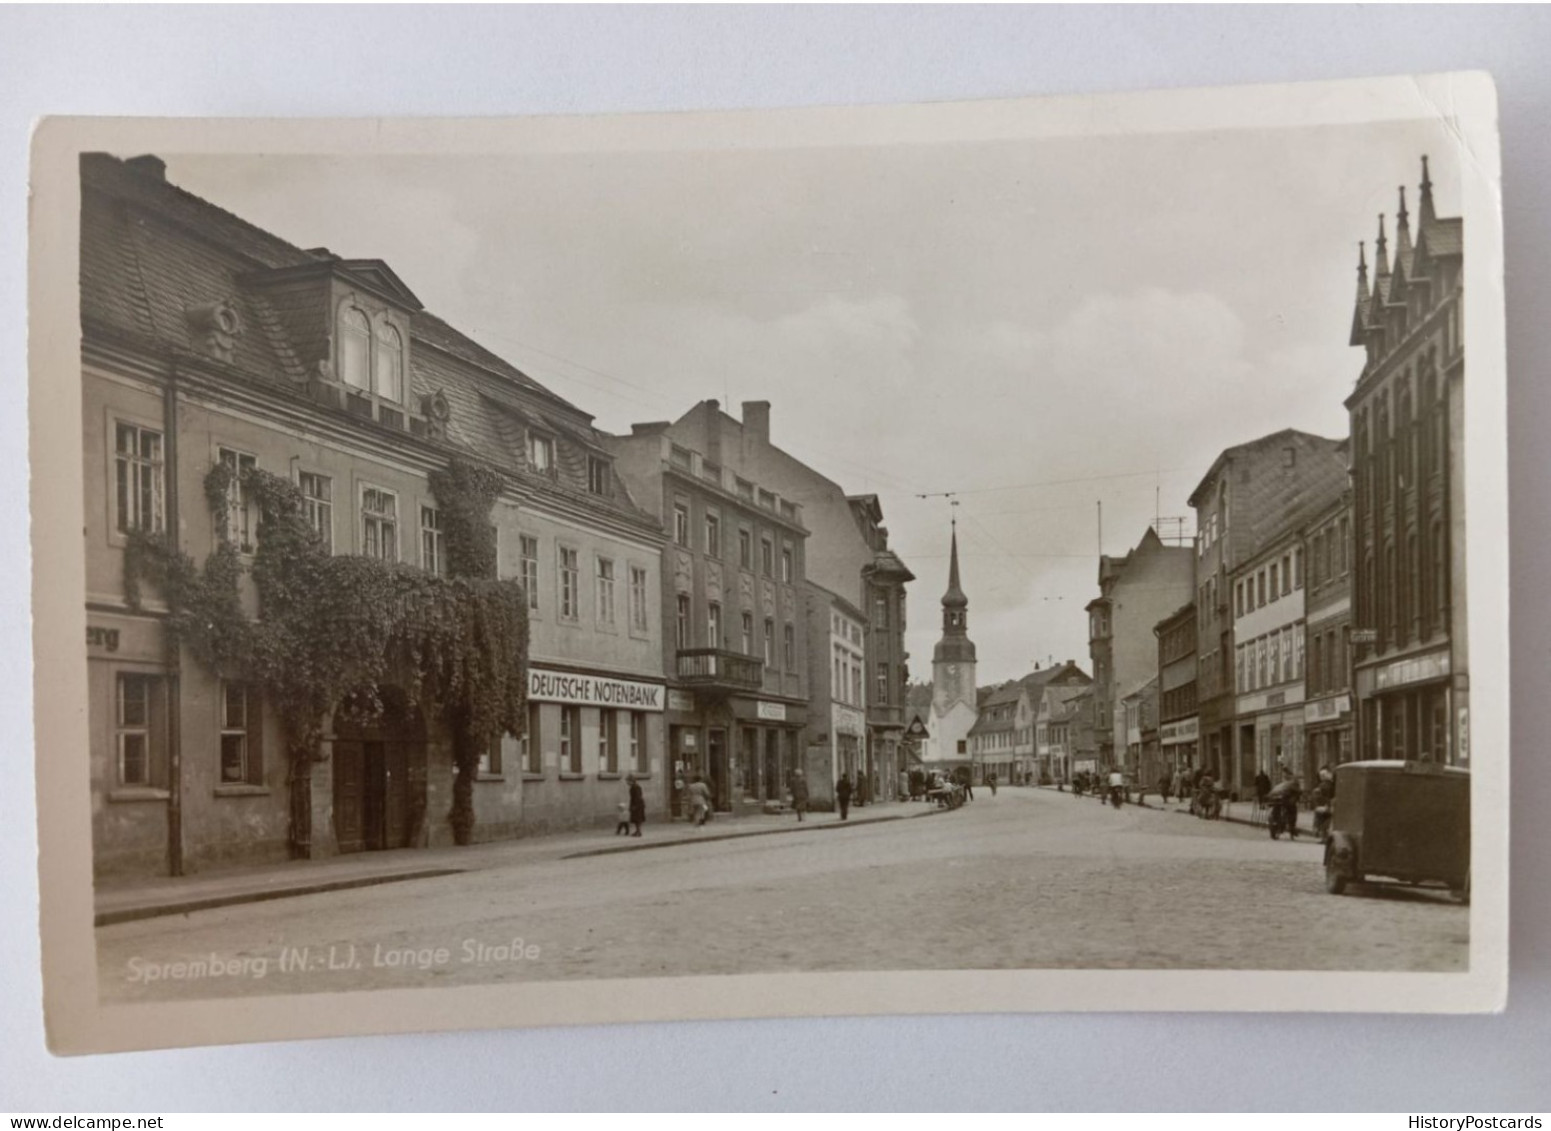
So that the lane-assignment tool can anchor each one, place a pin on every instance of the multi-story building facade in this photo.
(1269, 653)
(205, 342)
(1055, 717)
(847, 553)
(1002, 740)
(1142, 762)
(1135, 592)
(1327, 710)
(1178, 723)
(837, 734)
(1408, 519)
(1252, 491)
(735, 613)
(888, 664)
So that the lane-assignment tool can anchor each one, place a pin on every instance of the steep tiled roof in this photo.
(151, 253)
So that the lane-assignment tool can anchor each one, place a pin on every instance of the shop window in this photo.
(241, 745)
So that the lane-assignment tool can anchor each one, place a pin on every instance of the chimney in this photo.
(149, 165)
(756, 419)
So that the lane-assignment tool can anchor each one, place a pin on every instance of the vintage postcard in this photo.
(1026, 555)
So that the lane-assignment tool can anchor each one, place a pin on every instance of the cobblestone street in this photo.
(1026, 879)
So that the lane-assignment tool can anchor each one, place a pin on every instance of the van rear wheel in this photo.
(1335, 878)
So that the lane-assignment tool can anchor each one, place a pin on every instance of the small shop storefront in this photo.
(1408, 708)
(743, 747)
(1180, 740)
(1270, 735)
(1327, 723)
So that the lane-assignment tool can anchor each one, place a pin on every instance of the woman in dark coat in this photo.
(637, 805)
(843, 794)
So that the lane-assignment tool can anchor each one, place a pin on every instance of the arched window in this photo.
(388, 367)
(355, 348)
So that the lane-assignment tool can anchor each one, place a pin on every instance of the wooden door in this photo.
(349, 796)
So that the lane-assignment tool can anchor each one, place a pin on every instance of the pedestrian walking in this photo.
(622, 826)
(700, 800)
(991, 781)
(1262, 786)
(637, 805)
(1165, 784)
(799, 788)
(843, 795)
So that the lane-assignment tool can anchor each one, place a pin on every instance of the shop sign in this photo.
(594, 690)
(1413, 669)
(772, 712)
(681, 701)
(1185, 730)
(99, 637)
(1322, 710)
(847, 720)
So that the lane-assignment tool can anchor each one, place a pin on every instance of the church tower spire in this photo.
(953, 661)
(1426, 215)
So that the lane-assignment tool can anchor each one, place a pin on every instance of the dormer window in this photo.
(541, 453)
(355, 348)
(388, 364)
(597, 475)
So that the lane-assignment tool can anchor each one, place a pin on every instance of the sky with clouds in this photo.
(1040, 326)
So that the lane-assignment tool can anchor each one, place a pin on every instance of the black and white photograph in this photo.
(930, 558)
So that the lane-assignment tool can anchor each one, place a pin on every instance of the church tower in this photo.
(953, 671)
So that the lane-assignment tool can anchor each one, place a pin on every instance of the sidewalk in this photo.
(168, 895)
(1235, 812)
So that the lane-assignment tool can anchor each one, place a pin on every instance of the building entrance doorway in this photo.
(379, 779)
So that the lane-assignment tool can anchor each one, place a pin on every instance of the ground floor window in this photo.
(608, 741)
(140, 729)
(241, 748)
(640, 756)
(532, 748)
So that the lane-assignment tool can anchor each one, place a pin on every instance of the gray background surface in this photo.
(363, 62)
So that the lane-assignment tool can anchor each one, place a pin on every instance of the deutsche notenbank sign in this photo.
(593, 690)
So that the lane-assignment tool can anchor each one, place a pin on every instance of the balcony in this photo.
(719, 669)
(879, 715)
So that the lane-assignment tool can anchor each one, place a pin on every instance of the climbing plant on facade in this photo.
(336, 629)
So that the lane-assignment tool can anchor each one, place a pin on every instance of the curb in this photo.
(794, 827)
(206, 903)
